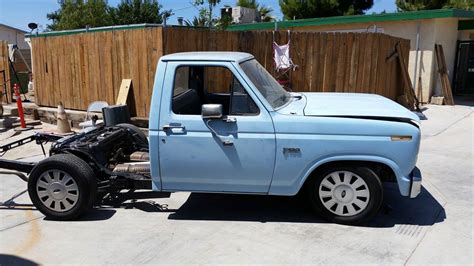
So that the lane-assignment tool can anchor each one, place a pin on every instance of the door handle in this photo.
(227, 142)
(173, 126)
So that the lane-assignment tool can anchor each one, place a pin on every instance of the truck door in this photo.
(235, 154)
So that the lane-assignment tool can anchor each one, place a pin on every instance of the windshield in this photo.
(265, 83)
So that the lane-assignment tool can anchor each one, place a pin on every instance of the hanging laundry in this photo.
(282, 56)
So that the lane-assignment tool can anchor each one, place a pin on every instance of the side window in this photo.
(181, 82)
(241, 103)
(197, 85)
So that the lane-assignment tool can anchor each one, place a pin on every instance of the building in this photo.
(240, 14)
(13, 36)
(452, 28)
(21, 58)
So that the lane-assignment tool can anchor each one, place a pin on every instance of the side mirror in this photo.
(211, 111)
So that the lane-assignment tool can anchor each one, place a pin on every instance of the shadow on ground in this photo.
(424, 210)
(6, 259)
(464, 100)
(97, 214)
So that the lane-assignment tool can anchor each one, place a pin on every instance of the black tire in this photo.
(372, 181)
(77, 169)
(138, 135)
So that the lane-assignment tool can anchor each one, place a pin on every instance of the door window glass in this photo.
(197, 85)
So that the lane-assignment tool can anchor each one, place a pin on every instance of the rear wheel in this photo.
(346, 194)
(137, 134)
(62, 187)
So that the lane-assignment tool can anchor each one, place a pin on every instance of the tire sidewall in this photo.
(137, 133)
(87, 188)
(373, 183)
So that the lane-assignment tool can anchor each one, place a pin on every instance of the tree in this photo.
(225, 20)
(414, 5)
(202, 20)
(299, 9)
(247, 3)
(265, 12)
(206, 13)
(138, 11)
(461, 4)
(76, 14)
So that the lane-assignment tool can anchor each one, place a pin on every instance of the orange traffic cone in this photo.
(62, 122)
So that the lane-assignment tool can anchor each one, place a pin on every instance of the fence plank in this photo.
(4, 66)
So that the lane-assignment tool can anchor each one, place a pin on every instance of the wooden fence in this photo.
(4, 66)
(79, 68)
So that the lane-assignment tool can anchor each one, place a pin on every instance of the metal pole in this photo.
(416, 55)
(16, 89)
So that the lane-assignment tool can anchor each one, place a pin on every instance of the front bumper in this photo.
(415, 182)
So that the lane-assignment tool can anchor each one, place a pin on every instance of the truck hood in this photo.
(357, 105)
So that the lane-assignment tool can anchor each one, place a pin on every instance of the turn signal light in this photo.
(400, 138)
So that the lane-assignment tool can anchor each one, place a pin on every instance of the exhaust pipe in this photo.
(140, 156)
(136, 168)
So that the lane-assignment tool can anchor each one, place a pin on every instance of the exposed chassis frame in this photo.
(25, 167)
(110, 188)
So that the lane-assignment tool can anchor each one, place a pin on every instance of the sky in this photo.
(18, 13)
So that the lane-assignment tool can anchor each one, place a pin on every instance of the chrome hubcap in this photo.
(344, 193)
(57, 190)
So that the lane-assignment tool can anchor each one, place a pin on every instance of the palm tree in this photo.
(196, 22)
(202, 20)
(265, 12)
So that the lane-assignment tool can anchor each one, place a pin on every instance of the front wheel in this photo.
(346, 194)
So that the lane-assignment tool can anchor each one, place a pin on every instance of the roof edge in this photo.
(412, 15)
(191, 56)
(97, 29)
(13, 28)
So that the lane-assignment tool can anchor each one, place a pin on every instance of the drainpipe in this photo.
(416, 56)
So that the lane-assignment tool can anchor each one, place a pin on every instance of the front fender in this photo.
(282, 188)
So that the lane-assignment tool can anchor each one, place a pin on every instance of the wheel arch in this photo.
(377, 164)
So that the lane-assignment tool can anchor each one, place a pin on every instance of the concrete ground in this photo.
(435, 228)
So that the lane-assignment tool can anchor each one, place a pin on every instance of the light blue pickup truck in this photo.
(220, 123)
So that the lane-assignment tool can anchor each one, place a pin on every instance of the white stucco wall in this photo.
(13, 36)
(447, 36)
(426, 64)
